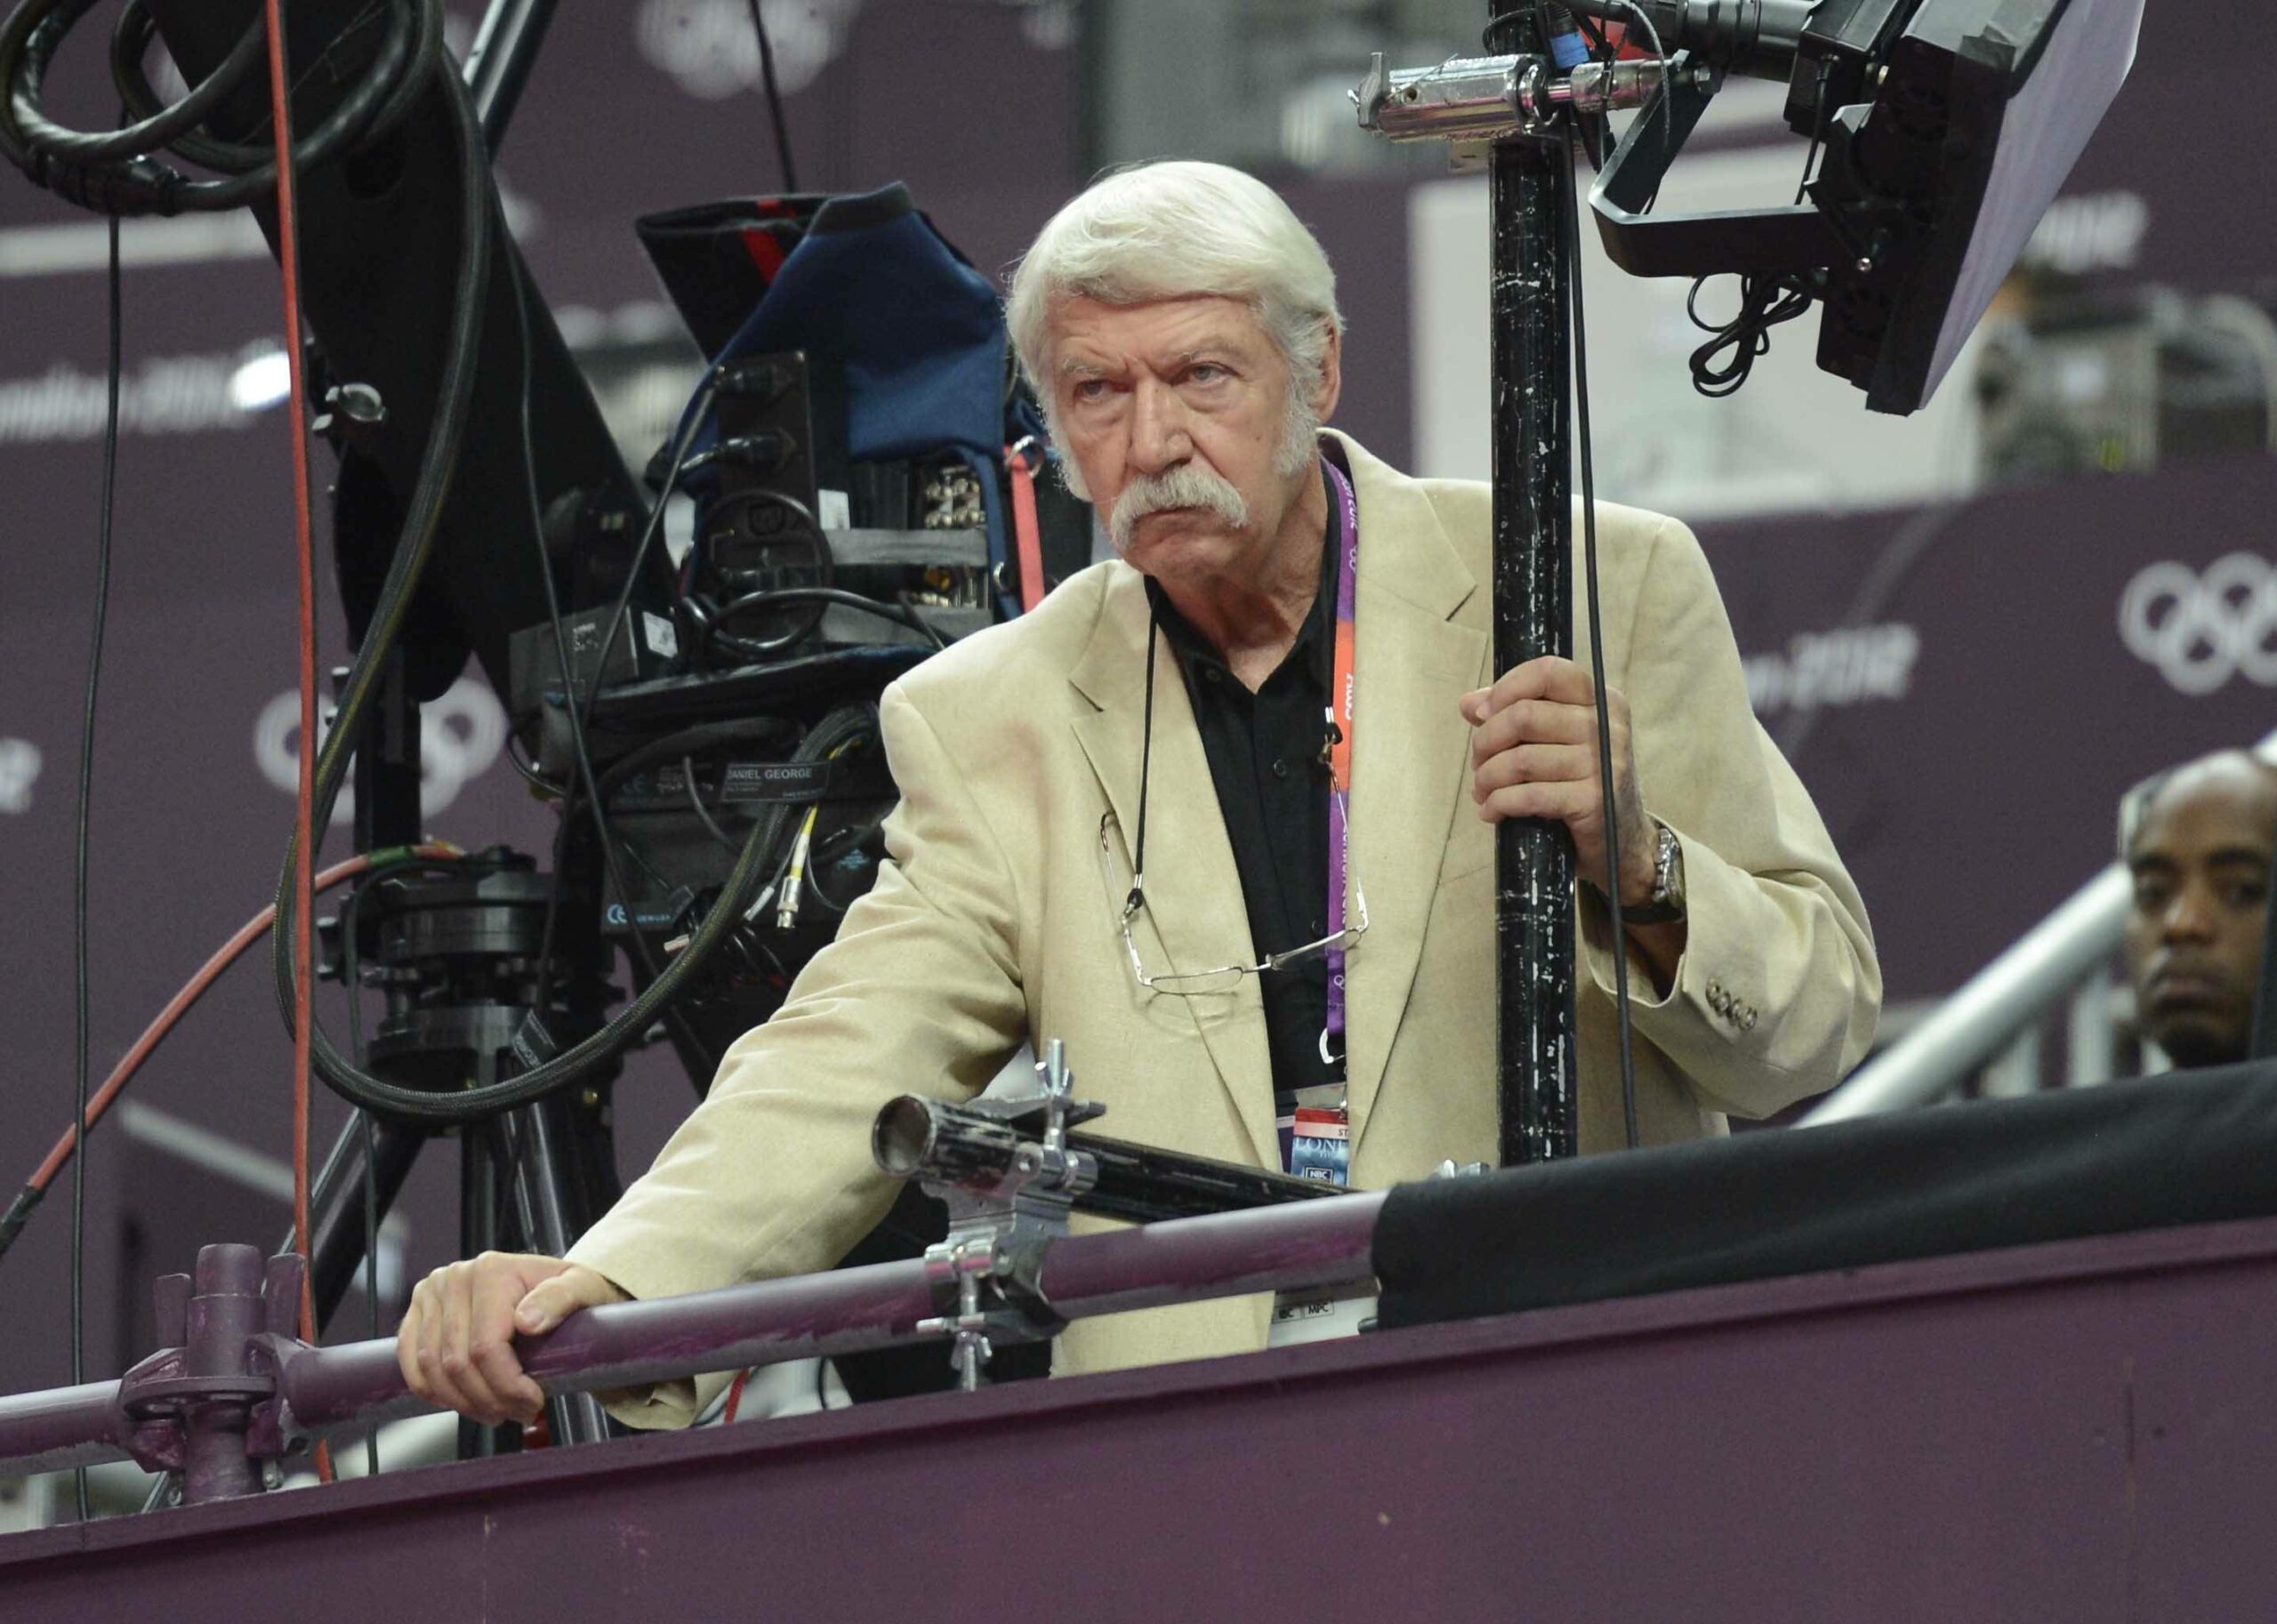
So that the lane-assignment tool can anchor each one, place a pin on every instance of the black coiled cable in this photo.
(118, 171)
(850, 724)
(1765, 302)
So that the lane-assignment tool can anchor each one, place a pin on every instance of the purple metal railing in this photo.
(234, 1389)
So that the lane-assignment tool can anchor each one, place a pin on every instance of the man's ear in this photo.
(1332, 374)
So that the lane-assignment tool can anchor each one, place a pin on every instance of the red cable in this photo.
(304, 907)
(280, 121)
(1028, 534)
(180, 1004)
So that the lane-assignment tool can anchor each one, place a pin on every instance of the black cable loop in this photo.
(723, 920)
(117, 172)
(158, 125)
(131, 41)
(1765, 302)
(751, 651)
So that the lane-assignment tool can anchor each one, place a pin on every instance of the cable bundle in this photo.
(119, 172)
(1765, 302)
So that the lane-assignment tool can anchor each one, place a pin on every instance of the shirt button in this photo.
(1209, 674)
(1280, 768)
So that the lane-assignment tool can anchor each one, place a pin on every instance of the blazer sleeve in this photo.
(1777, 993)
(920, 993)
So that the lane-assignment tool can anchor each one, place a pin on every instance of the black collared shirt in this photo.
(1268, 759)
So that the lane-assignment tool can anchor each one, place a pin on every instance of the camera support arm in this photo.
(1522, 104)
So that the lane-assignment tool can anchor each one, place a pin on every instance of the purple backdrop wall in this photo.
(1968, 740)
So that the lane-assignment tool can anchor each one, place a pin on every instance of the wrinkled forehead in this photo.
(1091, 335)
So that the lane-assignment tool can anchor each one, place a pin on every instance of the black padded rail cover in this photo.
(2183, 1149)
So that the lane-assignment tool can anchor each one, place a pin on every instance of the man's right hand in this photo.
(456, 1345)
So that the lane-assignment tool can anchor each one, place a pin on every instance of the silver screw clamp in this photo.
(986, 1277)
(956, 1269)
(1469, 98)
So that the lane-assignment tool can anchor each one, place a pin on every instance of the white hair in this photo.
(1178, 231)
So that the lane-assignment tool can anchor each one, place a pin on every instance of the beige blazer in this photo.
(994, 920)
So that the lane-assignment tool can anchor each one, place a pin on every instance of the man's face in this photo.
(1175, 413)
(2200, 862)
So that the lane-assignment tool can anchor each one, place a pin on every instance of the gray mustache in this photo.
(1183, 486)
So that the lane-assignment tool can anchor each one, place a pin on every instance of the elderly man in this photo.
(1218, 813)
(2199, 846)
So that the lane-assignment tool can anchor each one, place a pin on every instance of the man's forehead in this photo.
(2218, 806)
(1087, 332)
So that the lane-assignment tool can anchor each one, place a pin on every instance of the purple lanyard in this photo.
(1342, 722)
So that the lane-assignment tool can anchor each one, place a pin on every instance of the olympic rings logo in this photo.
(460, 736)
(2201, 631)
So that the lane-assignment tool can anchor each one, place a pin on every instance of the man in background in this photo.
(2198, 842)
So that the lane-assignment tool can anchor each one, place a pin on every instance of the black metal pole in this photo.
(336, 1206)
(1534, 615)
(387, 763)
(547, 1217)
(478, 1233)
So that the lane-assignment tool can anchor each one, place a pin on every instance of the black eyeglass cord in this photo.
(1138, 898)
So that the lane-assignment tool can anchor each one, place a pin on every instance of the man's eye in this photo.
(2149, 894)
(1206, 372)
(1089, 389)
(2247, 893)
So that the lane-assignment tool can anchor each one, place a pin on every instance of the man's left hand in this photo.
(1534, 752)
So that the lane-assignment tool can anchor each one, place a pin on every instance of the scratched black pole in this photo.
(1534, 615)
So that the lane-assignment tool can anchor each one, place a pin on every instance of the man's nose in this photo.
(2189, 915)
(1160, 439)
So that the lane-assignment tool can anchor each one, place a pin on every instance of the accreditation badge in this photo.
(1320, 1144)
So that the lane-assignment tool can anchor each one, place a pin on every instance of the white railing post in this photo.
(1977, 1021)
(2015, 1072)
(2091, 1042)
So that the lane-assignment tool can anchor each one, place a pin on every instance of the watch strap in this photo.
(1665, 905)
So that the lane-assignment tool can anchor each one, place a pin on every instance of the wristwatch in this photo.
(1665, 904)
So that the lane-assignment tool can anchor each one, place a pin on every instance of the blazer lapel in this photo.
(1195, 918)
(1411, 756)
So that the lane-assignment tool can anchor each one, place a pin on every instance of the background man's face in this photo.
(1143, 389)
(2201, 862)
